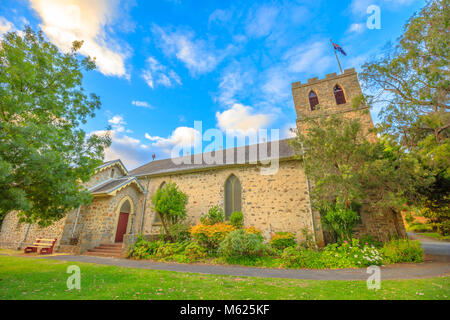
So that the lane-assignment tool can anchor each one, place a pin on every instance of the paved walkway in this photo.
(399, 271)
(432, 246)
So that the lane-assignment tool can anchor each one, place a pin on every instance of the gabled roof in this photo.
(187, 163)
(111, 186)
(112, 163)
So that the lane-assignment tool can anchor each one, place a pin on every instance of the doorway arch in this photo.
(124, 211)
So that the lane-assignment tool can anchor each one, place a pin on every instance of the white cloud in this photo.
(261, 21)
(233, 81)
(198, 56)
(69, 20)
(143, 104)
(241, 119)
(183, 137)
(5, 26)
(117, 123)
(156, 73)
(357, 28)
(309, 58)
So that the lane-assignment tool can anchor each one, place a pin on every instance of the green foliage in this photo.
(210, 236)
(214, 215)
(180, 232)
(347, 255)
(341, 221)
(241, 244)
(143, 249)
(44, 153)
(170, 204)
(237, 219)
(420, 227)
(282, 240)
(194, 252)
(411, 84)
(169, 249)
(348, 168)
(367, 239)
(402, 250)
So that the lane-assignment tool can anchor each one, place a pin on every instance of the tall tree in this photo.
(347, 170)
(412, 84)
(44, 154)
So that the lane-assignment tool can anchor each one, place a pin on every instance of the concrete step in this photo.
(105, 250)
(102, 254)
(110, 245)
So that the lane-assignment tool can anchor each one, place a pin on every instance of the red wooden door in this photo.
(121, 226)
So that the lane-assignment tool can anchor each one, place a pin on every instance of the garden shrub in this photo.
(253, 230)
(194, 252)
(210, 236)
(170, 249)
(282, 240)
(179, 232)
(214, 215)
(143, 249)
(345, 255)
(402, 250)
(237, 219)
(420, 227)
(239, 243)
(341, 221)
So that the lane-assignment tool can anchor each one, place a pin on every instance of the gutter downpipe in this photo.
(25, 237)
(76, 221)
(143, 206)
(309, 195)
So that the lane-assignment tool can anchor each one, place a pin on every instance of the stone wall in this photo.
(327, 102)
(383, 226)
(13, 233)
(270, 203)
(99, 220)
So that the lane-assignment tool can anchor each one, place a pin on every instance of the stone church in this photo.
(121, 207)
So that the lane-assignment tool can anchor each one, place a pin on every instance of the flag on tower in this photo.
(338, 48)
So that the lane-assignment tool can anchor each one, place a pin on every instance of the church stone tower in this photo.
(332, 95)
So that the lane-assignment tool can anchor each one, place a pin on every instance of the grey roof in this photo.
(113, 184)
(107, 163)
(188, 162)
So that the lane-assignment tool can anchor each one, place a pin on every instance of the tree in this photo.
(411, 83)
(347, 170)
(170, 203)
(44, 154)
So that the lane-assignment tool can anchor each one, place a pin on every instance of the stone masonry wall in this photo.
(270, 203)
(13, 233)
(100, 218)
(327, 102)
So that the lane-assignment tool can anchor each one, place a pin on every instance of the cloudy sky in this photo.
(163, 64)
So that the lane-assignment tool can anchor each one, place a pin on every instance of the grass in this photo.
(435, 235)
(27, 278)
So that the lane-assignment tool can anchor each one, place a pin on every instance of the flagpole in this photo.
(335, 53)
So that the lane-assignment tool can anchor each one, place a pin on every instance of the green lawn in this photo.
(34, 278)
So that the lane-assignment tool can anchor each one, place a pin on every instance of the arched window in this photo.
(313, 100)
(232, 195)
(339, 94)
(112, 173)
(157, 218)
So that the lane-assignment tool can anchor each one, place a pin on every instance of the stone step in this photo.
(101, 254)
(110, 245)
(105, 250)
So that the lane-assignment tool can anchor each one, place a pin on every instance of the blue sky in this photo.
(164, 64)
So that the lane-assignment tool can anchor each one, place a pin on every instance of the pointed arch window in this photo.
(313, 100)
(232, 195)
(339, 94)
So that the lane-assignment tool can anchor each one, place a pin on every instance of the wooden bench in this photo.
(44, 246)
